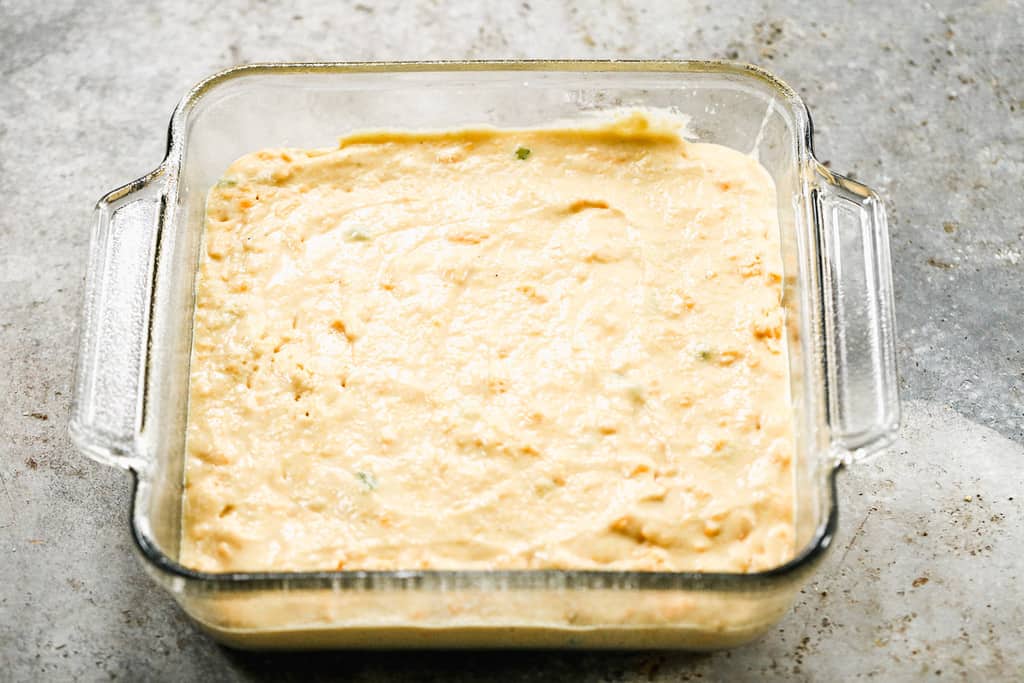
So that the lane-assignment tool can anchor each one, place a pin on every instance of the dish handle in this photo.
(114, 333)
(856, 273)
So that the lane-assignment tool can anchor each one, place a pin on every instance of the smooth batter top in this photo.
(538, 348)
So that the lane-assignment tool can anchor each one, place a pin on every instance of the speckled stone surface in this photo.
(924, 101)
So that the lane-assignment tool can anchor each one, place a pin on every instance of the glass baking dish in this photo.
(131, 382)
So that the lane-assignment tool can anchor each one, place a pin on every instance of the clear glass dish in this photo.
(131, 382)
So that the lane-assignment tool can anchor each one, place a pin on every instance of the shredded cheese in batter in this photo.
(490, 348)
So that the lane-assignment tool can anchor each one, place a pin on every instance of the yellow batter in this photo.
(542, 348)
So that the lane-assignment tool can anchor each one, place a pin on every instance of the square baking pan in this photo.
(130, 403)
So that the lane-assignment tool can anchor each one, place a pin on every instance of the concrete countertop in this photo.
(924, 101)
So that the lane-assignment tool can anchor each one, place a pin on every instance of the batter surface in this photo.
(541, 348)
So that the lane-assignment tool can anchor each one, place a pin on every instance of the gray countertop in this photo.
(924, 101)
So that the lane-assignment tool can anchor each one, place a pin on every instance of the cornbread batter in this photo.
(539, 348)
